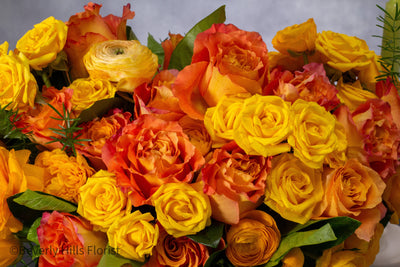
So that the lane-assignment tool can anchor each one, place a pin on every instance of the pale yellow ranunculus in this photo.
(42, 43)
(128, 63)
(182, 208)
(264, 124)
(353, 95)
(18, 86)
(294, 190)
(87, 91)
(101, 201)
(313, 136)
(134, 235)
(297, 38)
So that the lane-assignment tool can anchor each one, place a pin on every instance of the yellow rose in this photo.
(220, 121)
(128, 63)
(293, 189)
(343, 52)
(253, 240)
(264, 124)
(313, 135)
(4, 48)
(294, 258)
(42, 43)
(101, 201)
(9, 250)
(87, 91)
(339, 156)
(18, 86)
(182, 208)
(353, 95)
(297, 38)
(337, 257)
(64, 174)
(16, 176)
(134, 235)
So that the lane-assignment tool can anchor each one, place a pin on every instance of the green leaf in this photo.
(156, 48)
(299, 239)
(182, 54)
(32, 233)
(210, 236)
(218, 259)
(111, 258)
(60, 63)
(41, 201)
(130, 35)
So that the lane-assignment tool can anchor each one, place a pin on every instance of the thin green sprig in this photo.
(390, 55)
(67, 131)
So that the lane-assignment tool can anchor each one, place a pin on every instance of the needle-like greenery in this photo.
(67, 131)
(390, 48)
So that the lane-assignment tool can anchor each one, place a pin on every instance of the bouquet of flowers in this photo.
(200, 150)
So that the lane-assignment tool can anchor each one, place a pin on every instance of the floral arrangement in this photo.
(200, 150)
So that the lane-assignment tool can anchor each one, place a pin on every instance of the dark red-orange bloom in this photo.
(89, 27)
(226, 60)
(150, 152)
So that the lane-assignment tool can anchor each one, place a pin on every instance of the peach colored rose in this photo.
(197, 133)
(168, 46)
(387, 91)
(354, 190)
(391, 196)
(179, 252)
(253, 240)
(89, 27)
(234, 179)
(297, 38)
(68, 240)
(226, 60)
(64, 174)
(148, 153)
(381, 136)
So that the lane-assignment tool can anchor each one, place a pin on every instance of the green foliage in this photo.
(111, 258)
(210, 236)
(156, 48)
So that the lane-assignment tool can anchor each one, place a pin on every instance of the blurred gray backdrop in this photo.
(158, 17)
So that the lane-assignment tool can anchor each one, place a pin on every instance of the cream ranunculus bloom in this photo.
(42, 43)
(128, 63)
(182, 208)
(101, 201)
(134, 235)
(87, 91)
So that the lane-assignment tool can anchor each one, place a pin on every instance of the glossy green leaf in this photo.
(218, 259)
(156, 48)
(41, 201)
(111, 258)
(32, 233)
(182, 54)
(130, 35)
(210, 236)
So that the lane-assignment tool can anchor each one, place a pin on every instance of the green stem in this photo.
(45, 78)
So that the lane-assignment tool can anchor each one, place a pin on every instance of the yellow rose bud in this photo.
(182, 209)
(134, 236)
(343, 52)
(128, 63)
(87, 91)
(353, 95)
(293, 189)
(337, 257)
(4, 48)
(297, 38)
(42, 43)
(18, 86)
(313, 135)
(10, 250)
(220, 121)
(253, 240)
(101, 201)
(64, 174)
(294, 258)
(264, 124)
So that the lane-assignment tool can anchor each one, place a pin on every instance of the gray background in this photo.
(158, 17)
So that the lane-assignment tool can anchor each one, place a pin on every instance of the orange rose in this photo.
(148, 153)
(181, 251)
(294, 258)
(9, 248)
(253, 240)
(89, 27)
(197, 133)
(354, 190)
(67, 240)
(391, 196)
(168, 46)
(226, 60)
(234, 179)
